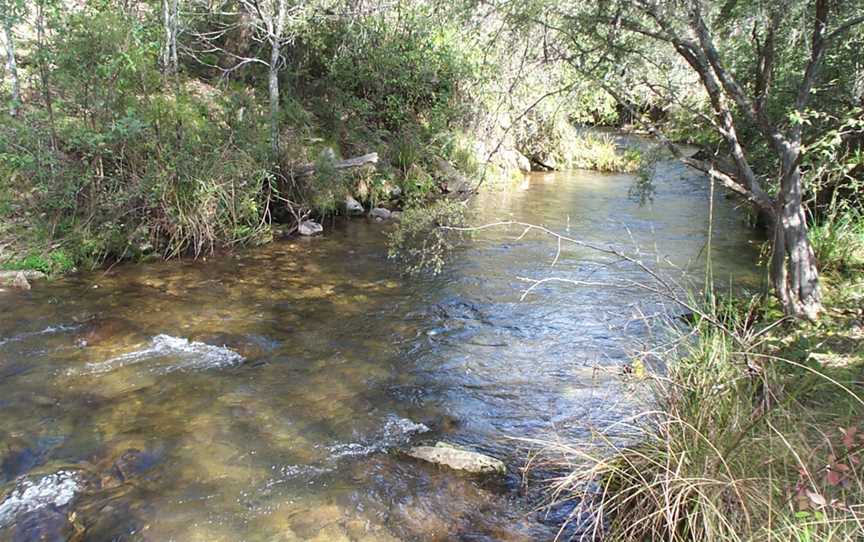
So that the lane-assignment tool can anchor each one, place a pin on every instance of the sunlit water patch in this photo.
(55, 490)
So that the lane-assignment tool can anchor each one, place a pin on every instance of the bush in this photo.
(421, 242)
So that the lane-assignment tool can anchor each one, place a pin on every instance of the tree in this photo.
(12, 11)
(604, 41)
(170, 21)
(273, 24)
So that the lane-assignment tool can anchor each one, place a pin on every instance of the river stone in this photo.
(309, 227)
(523, 162)
(380, 212)
(353, 207)
(20, 282)
(451, 179)
(13, 277)
(457, 458)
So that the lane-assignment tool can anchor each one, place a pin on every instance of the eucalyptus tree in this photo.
(12, 11)
(269, 24)
(170, 24)
(758, 65)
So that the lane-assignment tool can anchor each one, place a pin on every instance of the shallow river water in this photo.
(265, 394)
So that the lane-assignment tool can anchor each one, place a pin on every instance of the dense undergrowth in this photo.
(112, 155)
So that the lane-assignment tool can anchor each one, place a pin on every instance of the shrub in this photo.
(422, 241)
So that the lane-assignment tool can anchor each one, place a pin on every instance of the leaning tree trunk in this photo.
(12, 66)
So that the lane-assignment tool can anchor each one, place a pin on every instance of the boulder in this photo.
(450, 179)
(309, 227)
(20, 282)
(396, 215)
(380, 212)
(353, 207)
(457, 458)
(523, 162)
(513, 159)
(20, 279)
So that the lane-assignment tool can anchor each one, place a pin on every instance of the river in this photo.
(265, 394)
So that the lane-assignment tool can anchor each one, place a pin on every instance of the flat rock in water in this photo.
(457, 458)
(309, 227)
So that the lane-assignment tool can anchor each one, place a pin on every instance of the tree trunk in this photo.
(44, 74)
(276, 29)
(794, 273)
(274, 98)
(12, 66)
(175, 22)
(170, 15)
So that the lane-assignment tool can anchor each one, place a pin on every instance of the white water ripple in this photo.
(396, 431)
(56, 489)
(167, 354)
(50, 330)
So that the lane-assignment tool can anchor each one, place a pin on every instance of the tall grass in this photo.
(750, 440)
(839, 241)
(600, 153)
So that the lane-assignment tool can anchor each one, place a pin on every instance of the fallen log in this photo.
(357, 161)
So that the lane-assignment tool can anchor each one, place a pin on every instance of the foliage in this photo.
(839, 242)
(56, 262)
(422, 240)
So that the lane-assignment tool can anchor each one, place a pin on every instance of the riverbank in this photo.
(777, 456)
(374, 189)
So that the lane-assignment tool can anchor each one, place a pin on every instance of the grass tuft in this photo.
(753, 437)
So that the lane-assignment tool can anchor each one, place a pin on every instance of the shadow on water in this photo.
(265, 395)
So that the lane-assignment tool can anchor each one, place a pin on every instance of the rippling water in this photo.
(264, 395)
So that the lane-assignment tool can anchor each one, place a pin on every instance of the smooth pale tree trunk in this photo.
(170, 16)
(276, 30)
(274, 97)
(12, 67)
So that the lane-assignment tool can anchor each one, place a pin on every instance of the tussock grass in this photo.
(750, 440)
(601, 153)
(839, 242)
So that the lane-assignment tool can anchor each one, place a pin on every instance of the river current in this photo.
(265, 394)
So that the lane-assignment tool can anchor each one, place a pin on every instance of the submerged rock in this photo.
(107, 330)
(457, 458)
(353, 207)
(52, 492)
(380, 212)
(309, 227)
